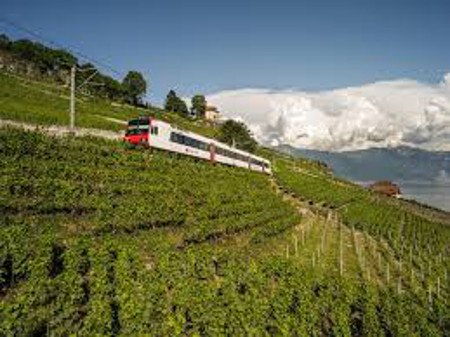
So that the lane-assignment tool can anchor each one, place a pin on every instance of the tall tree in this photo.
(175, 104)
(199, 105)
(171, 101)
(237, 134)
(134, 86)
(4, 41)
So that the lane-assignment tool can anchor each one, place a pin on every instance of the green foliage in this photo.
(198, 105)
(101, 239)
(365, 210)
(134, 86)
(4, 41)
(43, 103)
(89, 80)
(112, 190)
(237, 134)
(55, 63)
(46, 59)
(175, 104)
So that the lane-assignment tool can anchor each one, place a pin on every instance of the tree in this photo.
(237, 134)
(44, 58)
(4, 41)
(199, 105)
(175, 104)
(63, 58)
(134, 86)
(171, 101)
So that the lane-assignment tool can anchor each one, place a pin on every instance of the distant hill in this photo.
(400, 164)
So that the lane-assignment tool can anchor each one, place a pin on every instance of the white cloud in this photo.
(381, 114)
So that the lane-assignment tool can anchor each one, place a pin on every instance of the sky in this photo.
(298, 49)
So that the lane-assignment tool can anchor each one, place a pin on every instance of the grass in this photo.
(39, 103)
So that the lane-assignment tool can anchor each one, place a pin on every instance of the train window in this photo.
(188, 141)
(203, 146)
(231, 154)
(199, 144)
(176, 138)
(257, 162)
(133, 131)
(141, 123)
(154, 130)
(133, 122)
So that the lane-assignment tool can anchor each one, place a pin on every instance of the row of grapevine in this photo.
(103, 240)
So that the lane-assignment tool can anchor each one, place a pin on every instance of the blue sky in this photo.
(209, 46)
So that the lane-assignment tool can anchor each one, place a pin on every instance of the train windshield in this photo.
(135, 131)
(133, 122)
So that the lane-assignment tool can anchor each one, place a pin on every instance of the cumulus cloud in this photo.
(380, 114)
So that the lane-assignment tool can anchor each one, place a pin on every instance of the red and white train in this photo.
(155, 133)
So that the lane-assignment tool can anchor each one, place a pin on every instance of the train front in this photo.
(137, 131)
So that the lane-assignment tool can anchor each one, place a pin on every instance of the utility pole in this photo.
(72, 98)
(73, 88)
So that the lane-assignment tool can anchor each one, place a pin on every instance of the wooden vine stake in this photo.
(318, 256)
(295, 245)
(361, 255)
(430, 299)
(438, 287)
(410, 255)
(341, 262)
(387, 273)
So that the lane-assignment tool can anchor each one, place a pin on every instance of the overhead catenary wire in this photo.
(74, 68)
(85, 59)
(58, 45)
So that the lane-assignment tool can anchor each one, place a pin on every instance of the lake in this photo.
(434, 194)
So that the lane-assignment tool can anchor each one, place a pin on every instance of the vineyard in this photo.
(100, 239)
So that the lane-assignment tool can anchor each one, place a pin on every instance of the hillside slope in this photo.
(400, 164)
(102, 239)
(24, 100)
(422, 175)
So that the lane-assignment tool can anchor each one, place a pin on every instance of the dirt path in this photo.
(59, 130)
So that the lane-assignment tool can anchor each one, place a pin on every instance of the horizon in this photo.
(298, 45)
(329, 76)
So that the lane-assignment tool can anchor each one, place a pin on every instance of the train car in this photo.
(161, 135)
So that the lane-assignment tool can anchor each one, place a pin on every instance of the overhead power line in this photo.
(42, 38)
(73, 68)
